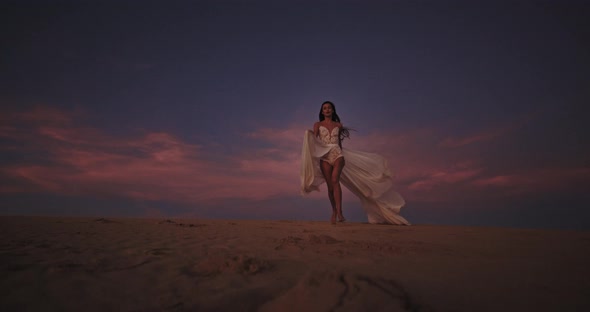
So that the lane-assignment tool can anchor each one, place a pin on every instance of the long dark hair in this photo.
(344, 131)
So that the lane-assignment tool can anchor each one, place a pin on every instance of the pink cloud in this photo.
(487, 134)
(539, 179)
(291, 136)
(479, 137)
(42, 114)
(440, 177)
(501, 180)
(152, 166)
(160, 166)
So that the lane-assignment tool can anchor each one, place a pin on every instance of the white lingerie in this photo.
(366, 175)
(330, 139)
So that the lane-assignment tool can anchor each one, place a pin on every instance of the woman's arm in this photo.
(340, 128)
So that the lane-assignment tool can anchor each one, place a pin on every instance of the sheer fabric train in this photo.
(365, 174)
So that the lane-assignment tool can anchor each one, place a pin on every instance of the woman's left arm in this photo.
(340, 134)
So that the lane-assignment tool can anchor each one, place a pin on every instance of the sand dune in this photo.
(102, 264)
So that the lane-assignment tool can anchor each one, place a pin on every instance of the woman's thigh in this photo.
(337, 169)
(326, 171)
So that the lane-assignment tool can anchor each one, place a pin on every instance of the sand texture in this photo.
(117, 264)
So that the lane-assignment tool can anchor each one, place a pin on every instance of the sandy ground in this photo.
(98, 264)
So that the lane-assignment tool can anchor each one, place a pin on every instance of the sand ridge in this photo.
(126, 264)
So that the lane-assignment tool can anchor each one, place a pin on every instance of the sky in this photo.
(198, 108)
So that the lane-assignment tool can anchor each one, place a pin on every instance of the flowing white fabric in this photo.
(365, 174)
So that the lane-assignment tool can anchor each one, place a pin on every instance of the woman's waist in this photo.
(328, 144)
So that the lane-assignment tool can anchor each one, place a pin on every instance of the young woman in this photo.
(365, 174)
(329, 131)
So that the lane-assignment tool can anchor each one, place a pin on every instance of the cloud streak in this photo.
(149, 166)
(78, 160)
(486, 134)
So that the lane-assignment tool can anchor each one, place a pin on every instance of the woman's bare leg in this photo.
(327, 171)
(335, 179)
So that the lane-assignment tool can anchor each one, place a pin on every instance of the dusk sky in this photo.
(198, 108)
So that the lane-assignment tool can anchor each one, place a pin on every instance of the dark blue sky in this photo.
(198, 108)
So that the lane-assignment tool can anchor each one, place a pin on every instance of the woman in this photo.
(329, 130)
(366, 175)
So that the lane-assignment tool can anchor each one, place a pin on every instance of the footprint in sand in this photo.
(298, 243)
(103, 220)
(334, 291)
(241, 264)
(322, 239)
(158, 251)
(192, 225)
(290, 242)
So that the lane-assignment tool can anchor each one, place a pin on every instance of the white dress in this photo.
(365, 174)
(329, 140)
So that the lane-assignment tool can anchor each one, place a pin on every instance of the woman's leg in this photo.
(335, 181)
(327, 170)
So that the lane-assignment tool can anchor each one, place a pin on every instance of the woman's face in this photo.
(327, 111)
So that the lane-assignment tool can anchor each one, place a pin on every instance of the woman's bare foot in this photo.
(333, 219)
(341, 218)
